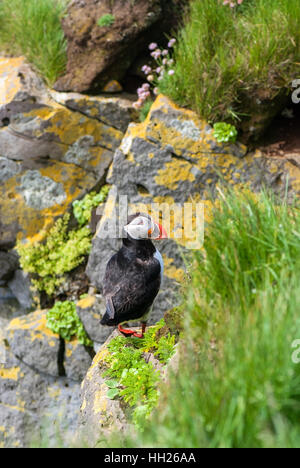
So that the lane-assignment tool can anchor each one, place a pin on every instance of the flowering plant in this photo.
(155, 74)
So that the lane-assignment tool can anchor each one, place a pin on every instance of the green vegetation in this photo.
(63, 320)
(237, 384)
(144, 111)
(131, 377)
(32, 28)
(106, 20)
(228, 57)
(62, 251)
(225, 133)
(82, 209)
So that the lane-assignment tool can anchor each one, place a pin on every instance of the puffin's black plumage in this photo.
(131, 283)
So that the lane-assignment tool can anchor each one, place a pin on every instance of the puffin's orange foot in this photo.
(126, 331)
(138, 335)
(141, 335)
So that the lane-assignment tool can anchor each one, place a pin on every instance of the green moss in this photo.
(106, 20)
(131, 377)
(62, 252)
(63, 320)
(82, 209)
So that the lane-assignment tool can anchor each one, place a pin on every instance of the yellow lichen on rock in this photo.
(68, 127)
(12, 373)
(11, 83)
(32, 223)
(36, 324)
(86, 302)
(174, 172)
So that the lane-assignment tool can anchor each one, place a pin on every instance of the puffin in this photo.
(133, 275)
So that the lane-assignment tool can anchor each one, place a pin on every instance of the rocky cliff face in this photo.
(56, 147)
(50, 155)
(36, 399)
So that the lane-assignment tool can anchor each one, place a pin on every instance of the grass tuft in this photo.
(225, 55)
(32, 28)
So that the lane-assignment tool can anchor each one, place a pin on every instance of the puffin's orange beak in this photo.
(163, 233)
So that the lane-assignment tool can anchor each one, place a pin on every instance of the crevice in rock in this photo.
(90, 351)
(34, 369)
(61, 357)
(142, 190)
(5, 122)
(85, 114)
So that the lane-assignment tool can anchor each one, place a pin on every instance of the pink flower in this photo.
(146, 69)
(158, 70)
(171, 42)
(153, 46)
(171, 72)
(146, 86)
(165, 52)
(165, 61)
(160, 77)
(156, 54)
(156, 91)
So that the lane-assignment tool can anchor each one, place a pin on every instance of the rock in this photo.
(77, 360)
(40, 192)
(99, 416)
(3, 325)
(112, 86)
(37, 405)
(9, 305)
(169, 160)
(50, 155)
(8, 264)
(90, 311)
(8, 169)
(33, 343)
(20, 287)
(20, 87)
(116, 112)
(100, 54)
(35, 408)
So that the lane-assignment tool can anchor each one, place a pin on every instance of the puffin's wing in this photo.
(129, 293)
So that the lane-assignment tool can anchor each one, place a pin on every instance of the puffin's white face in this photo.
(143, 227)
